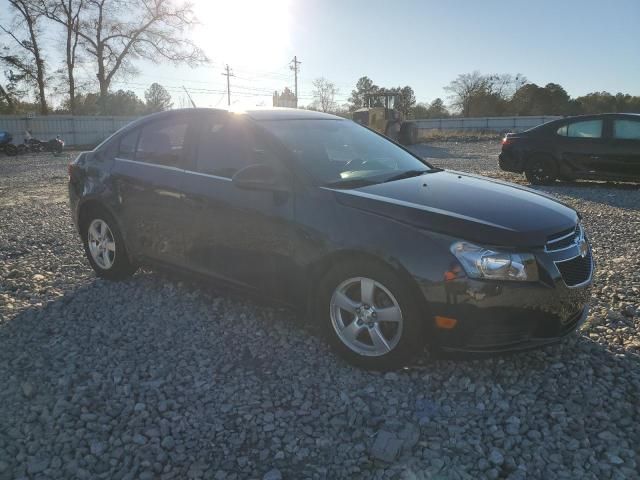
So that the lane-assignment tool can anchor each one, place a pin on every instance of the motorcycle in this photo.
(34, 145)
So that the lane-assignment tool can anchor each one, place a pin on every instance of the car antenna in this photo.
(193, 104)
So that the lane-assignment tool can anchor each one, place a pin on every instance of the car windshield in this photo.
(343, 153)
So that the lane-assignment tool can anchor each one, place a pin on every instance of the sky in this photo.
(584, 45)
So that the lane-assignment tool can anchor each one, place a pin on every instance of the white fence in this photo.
(87, 131)
(497, 124)
(74, 130)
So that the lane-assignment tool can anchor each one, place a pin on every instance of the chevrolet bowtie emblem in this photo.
(584, 248)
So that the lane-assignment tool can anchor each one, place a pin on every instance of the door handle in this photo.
(594, 157)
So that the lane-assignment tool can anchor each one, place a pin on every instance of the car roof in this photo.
(596, 116)
(277, 113)
(262, 113)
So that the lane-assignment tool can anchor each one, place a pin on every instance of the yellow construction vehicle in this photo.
(379, 113)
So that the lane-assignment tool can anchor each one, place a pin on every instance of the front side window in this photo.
(162, 143)
(586, 129)
(229, 144)
(127, 146)
(626, 129)
(335, 151)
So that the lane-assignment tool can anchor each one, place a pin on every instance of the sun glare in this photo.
(253, 34)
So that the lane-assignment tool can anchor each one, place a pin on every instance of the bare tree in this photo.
(464, 88)
(324, 95)
(27, 59)
(157, 98)
(115, 32)
(67, 14)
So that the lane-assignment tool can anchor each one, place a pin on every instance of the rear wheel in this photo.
(369, 316)
(104, 246)
(11, 150)
(541, 170)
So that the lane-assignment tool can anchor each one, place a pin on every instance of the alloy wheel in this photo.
(366, 316)
(102, 245)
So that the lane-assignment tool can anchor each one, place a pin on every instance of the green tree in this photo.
(121, 102)
(437, 109)
(596, 102)
(405, 101)
(364, 85)
(157, 98)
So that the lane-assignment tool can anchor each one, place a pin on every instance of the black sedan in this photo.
(385, 251)
(598, 147)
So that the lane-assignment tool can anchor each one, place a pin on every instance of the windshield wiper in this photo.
(350, 183)
(407, 174)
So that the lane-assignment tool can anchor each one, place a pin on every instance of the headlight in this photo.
(480, 262)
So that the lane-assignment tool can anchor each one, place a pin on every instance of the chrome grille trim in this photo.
(576, 235)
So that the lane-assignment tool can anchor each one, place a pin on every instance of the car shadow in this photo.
(613, 194)
(427, 151)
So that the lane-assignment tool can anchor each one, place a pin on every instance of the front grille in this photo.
(563, 239)
(577, 270)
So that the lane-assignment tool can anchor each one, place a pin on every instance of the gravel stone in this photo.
(166, 377)
(274, 474)
(496, 457)
(386, 446)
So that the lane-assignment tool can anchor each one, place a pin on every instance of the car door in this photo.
(243, 236)
(625, 146)
(584, 148)
(148, 175)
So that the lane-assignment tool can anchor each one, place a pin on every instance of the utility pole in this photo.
(295, 68)
(228, 74)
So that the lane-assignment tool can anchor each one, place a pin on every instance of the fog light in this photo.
(446, 322)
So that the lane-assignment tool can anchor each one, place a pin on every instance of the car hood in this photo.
(466, 206)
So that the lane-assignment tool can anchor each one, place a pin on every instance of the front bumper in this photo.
(495, 316)
(512, 336)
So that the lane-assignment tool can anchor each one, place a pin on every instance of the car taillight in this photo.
(506, 141)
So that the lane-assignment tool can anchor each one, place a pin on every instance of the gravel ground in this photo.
(161, 377)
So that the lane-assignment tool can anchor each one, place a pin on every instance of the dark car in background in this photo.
(598, 147)
(386, 252)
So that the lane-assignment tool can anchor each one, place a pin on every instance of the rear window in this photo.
(162, 142)
(584, 129)
(626, 129)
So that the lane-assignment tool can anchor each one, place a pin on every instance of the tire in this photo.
(104, 246)
(11, 150)
(541, 170)
(360, 322)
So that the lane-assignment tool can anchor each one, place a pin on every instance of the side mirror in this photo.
(259, 177)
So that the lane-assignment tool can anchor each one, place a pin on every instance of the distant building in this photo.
(285, 99)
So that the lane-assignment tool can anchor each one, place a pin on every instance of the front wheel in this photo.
(104, 246)
(370, 316)
(541, 171)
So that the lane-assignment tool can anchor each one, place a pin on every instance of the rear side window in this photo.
(586, 129)
(626, 129)
(127, 146)
(229, 144)
(162, 143)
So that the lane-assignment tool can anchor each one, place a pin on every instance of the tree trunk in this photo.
(42, 97)
(71, 64)
(104, 85)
